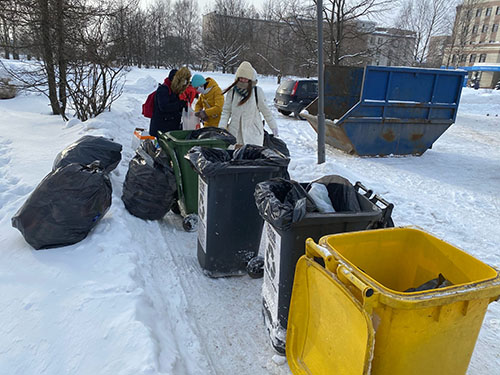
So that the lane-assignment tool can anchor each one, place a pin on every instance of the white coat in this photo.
(244, 121)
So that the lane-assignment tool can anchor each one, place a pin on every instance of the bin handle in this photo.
(313, 250)
(368, 192)
(344, 273)
(386, 220)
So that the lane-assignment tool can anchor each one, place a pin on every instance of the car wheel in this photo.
(286, 113)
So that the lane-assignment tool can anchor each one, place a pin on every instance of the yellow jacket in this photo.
(211, 103)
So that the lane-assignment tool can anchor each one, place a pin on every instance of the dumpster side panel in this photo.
(393, 137)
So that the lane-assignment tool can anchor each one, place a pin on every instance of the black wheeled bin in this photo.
(290, 218)
(230, 227)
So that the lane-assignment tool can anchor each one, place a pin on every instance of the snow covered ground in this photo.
(131, 298)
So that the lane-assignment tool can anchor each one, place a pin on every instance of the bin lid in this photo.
(328, 332)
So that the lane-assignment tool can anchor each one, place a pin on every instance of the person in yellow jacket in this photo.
(209, 105)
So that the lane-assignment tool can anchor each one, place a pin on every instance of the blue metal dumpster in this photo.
(388, 110)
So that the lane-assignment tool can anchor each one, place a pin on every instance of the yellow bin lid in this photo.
(328, 330)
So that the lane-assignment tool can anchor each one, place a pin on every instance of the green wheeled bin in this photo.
(177, 143)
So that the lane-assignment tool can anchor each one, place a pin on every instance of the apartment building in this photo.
(391, 46)
(476, 40)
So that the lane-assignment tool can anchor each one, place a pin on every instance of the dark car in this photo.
(293, 96)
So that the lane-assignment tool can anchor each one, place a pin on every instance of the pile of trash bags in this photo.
(150, 188)
(73, 198)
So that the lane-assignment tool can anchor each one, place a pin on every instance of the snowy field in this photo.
(131, 297)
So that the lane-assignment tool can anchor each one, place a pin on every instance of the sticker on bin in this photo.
(202, 213)
(271, 247)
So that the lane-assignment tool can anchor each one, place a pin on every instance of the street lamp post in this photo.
(321, 88)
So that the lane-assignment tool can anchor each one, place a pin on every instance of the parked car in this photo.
(292, 96)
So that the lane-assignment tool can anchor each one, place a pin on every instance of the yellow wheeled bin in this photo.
(351, 312)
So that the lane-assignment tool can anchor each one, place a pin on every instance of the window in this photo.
(463, 58)
(478, 12)
(372, 40)
(485, 28)
(492, 41)
(472, 58)
(468, 13)
(474, 29)
(380, 40)
(498, 11)
(494, 28)
(488, 11)
(454, 59)
(482, 57)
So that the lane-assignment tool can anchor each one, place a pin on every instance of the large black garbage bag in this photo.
(210, 161)
(149, 190)
(213, 133)
(341, 193)
(65, 206)
(88, 149)
(282, 202)
(270, 141)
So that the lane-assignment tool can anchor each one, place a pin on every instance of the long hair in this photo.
(249, 90)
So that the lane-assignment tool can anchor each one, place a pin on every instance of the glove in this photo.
(275, 132)
(203, 115)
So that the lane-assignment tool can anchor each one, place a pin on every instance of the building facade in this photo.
(476, 41)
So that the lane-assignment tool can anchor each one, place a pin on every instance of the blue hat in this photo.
(197, 80)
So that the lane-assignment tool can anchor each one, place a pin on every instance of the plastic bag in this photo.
(88, 149)
(319, 193)
(272, 142)
(189, 120)
(65, 206)
(210, 161)
(341, 193)
(150, 189)
(213, 133)
(282, 202)
(437, 283)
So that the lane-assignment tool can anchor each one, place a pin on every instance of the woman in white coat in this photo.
(244, 103)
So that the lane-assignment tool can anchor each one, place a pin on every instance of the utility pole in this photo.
(321, 86)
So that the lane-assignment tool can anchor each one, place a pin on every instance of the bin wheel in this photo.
(175, 208)
(255, 267)
(190, 223)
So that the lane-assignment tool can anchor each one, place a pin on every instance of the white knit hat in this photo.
(246, 70)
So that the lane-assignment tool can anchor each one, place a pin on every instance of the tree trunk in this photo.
(61, 56)
(48, 55)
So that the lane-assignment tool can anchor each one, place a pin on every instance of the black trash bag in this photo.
(274, 143)
(65, 206)
(438, 282)
(150, 189)
(208, 161)
(211, 132)
(341, 193)
(88, 149)
(282, 202)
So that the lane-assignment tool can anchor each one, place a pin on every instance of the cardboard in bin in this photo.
(352, 316)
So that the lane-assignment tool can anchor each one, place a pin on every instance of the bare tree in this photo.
(186, 24)
(226, 33)
(426, 18)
